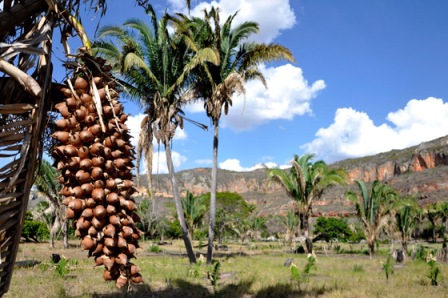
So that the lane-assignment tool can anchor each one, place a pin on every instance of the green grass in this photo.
(258, 274)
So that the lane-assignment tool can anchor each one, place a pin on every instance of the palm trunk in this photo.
(304, 227)
(180, 213)
(211, 228)
(65, 232)
(371, 238)
(55, 228)
(404, 246)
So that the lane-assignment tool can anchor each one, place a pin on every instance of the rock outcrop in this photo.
(420, 171)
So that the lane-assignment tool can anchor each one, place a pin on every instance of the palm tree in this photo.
(373, 207)
(407, 216)
(257, 224)
(304, 182)
(443, 207)
(238, 62)
(47, 183)
(194, 209)
(433, 213)
(154, 68)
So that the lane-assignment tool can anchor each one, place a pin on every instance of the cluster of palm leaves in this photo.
(163, 71)
(304, 182)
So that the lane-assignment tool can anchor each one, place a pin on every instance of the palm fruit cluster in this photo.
(94, 155)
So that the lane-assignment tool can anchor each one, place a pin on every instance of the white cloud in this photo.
(288, 95)
(159, 162)
(353, 133)
(133, 123)
(234, 164)
(272, 16)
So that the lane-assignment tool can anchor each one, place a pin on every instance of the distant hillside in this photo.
(419, 170)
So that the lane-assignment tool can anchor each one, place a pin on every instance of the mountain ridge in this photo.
(420, 170)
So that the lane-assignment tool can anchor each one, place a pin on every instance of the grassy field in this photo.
(255, 271)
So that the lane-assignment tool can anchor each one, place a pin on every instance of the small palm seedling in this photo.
(62, 268)
(388, 267)
(311, 264)
(213, 276)
(295, 274)
(434, 270)
(195, 269)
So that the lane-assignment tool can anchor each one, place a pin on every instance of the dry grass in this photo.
(255, 273)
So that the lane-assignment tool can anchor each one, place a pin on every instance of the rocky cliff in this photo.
(420, 170)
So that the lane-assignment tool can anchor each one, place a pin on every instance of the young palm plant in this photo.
(194, 210)
(290, 222)
(154, 67)
(304, 182)
(407, 216)
(373, 208)
(215, 84)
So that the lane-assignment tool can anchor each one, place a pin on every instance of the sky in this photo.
(369, 77)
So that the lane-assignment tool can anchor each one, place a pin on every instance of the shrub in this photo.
(332, 228)
(155, 249)
(173, 230)
(358, 268)
(34, 230)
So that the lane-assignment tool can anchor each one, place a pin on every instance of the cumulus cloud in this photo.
(159, 159)
(159, 162)
(233, 164)
(353, 133)
(288, 95)
(272, 16)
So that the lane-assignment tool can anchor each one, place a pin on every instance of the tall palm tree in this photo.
(304, 182)
(154, 68)
(215, 84)
(47, 183)
(373, 207)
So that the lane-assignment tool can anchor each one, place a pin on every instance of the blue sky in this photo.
(370, 76)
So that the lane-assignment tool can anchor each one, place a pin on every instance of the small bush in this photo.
(155, 249)
(34, 230)
(358, 268)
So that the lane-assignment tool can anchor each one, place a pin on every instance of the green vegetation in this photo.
(34, 230)
(330, 229)
(155, 249)
(214, 275)
(388, 267)
(433, 271)
(262, 274)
